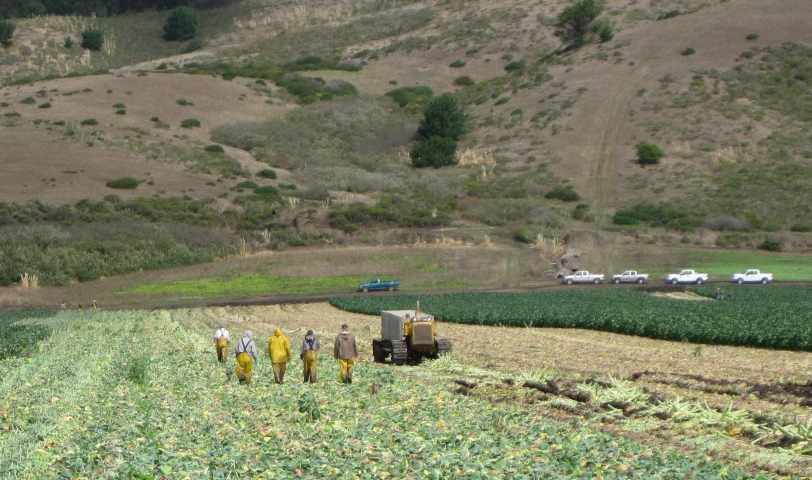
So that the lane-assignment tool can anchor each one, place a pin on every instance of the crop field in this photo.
(772, 317)
(138, 394)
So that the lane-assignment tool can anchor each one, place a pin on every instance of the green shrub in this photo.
(581, 212)
(267, 173)
(123, 183)
(649, 153)
(44, 105)
(801, 227)
(770, 245)
(89, 121)
(192, 46)
(669, 14)
(606, 32)
(566, 194)
(526, 234)
(183, 102)
(121, 111)
(190, 123)
(502, 101)
(93, 39)
(457, 64)
(7, 28)
(410, 95)
(119, 105)
(4, 104)
(434, 152)
(514, 66)
(214, 148)
(752, 36)
(68, 42)
(287, 186)
(464, 81)
(154, 119)
(181, 24)
(28, 100)
(229, 75)
(443, 117)
(688, 51)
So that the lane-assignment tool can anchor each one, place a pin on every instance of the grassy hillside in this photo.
(276, 130)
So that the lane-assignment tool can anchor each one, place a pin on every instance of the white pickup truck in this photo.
(687, 276)
(630, 276)
(582, 276)
(752, 276)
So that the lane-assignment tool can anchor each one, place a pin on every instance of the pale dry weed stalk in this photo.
(29, 281)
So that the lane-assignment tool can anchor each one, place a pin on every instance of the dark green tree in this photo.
(575, 21)
(181, 24)
(434, 152)
(443, 117)
(93, 39)
(6, 32)
(649, 153)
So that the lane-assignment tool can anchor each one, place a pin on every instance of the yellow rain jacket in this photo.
(279, 348)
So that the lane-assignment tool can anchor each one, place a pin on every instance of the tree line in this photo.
(102, 8)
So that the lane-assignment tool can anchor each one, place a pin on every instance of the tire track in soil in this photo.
(615, 112)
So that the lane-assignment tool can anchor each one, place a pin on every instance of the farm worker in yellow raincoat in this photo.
(279, 351)
(246, 351)
(310, 356)
(221, 340)
(345, 350)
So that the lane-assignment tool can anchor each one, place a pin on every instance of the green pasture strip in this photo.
(759, 316)
(441, 283)
(247, 285)
(133, 394)
(721, 264)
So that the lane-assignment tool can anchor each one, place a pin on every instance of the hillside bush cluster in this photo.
(392, 210)
(307, 89)
(60, 254)
(101, 8)
(418, 95)
(7, 28)
(656, 216)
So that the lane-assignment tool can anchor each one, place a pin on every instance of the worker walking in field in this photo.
(246, 356)
(345, 351)
(221, 341)
(279, 351)
(310, 356)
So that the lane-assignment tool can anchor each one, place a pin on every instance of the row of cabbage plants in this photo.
(756, 316)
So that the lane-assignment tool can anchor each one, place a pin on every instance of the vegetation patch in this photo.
(772, 317)
(124, 183)
(247, 285)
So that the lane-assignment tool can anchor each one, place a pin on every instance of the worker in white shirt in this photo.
(221, 340)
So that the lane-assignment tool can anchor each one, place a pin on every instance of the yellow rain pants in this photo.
(222, 345)
(345, 369)
(245, 365)
(311, 360)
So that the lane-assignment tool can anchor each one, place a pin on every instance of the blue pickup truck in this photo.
(378, 284)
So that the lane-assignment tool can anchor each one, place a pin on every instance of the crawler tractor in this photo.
(408, 336)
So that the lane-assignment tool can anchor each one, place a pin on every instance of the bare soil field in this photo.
(120, 144)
